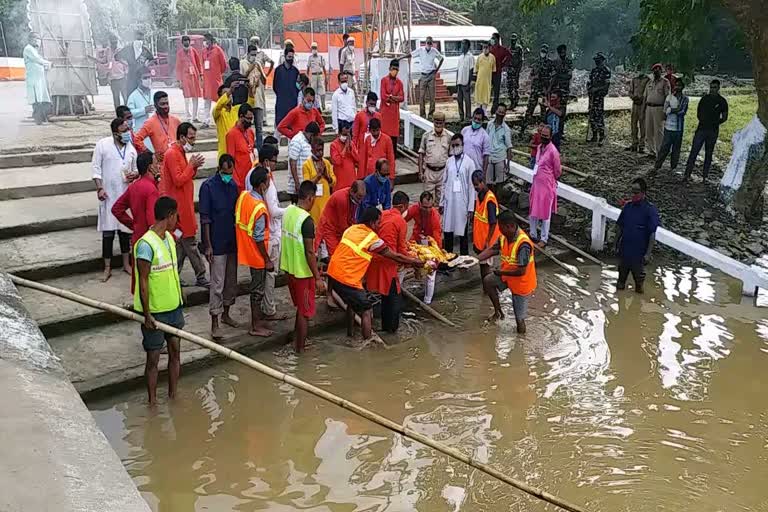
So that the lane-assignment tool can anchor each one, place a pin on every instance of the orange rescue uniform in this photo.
(352, 258)
(519, 285)
(248, 209)
(480, 225)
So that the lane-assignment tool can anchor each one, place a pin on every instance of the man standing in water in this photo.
(637, 224)
(517, 272)
(158, 295)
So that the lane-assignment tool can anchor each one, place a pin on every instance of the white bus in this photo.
(447, 39)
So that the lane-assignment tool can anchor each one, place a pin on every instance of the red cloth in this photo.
(212, 77)
(140, 198)
(303, 295)
(425, 224)
(177, 181)
(344, 163)
(502, 55)
(240, 145)
(337, 216)
(360, 126)
(390, 110)
(393, 231)
(535, 142)
(298, 119)
(369, 154)
(162, 133)
(189, 72)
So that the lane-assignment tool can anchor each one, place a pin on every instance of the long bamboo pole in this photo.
(567, 244)
(309, 388)
(426, 307)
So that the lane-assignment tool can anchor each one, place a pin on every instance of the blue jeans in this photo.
(672, 142)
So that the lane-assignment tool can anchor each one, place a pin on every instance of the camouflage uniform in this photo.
(561, 82)
(513, 75)
(597, 88)
(541, 78)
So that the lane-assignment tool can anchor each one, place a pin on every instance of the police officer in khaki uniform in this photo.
(317, 72)
(433, 155)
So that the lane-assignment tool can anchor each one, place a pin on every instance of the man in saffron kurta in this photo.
(340, 212)
(214, 66)
(382, 277)
(177, 181)
(298, 118)
(344, 157)
(363, 119)
(426, 219)
(240, 143)
(392, 94)
(160, 128)
(375, 147)
(543, 198)
(189, 73)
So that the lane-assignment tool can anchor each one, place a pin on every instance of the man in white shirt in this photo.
(428, 54)
(464, 82)
(347, 61)
(343, 102)
(299, 150)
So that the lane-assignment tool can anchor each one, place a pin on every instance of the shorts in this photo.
(154, 339)
(519, 302)
(303, 295)
(256, 289)
(495, 173)
(356, 298)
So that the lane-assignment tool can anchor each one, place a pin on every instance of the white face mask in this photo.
(343, 138)
(146, 83)
(187, 147)
(314, 52)
(372, 110)
(344, 86)
(458, 150)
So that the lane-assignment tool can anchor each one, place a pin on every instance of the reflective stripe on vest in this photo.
(481, 227)
(292, 256)
(260, 207)
(351, 260)
(483, 217)
(163, 281)
(512, 258)
(359, 249)
(526, 283)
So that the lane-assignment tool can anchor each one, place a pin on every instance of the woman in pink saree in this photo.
(543, 198)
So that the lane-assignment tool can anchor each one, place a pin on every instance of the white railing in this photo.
(752, 277)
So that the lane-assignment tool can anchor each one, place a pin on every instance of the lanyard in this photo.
(458, 167)
(147, 97)
(122, 155)
(162, 125)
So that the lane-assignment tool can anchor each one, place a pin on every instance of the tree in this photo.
(676, 26)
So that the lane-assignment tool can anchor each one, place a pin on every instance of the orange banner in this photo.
(311, 10)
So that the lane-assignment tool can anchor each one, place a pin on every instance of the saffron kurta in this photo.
(393, 230)
(177, 181)
(240, 144)
(372, 150)
(543, 196)
(112, 165)
(345, 162)
(360, 126)
(485, 66)
(160, 131)
(189, 72)
(425, 223)
(324, 188)
(214, 66)
(390, 110)
(339, 213)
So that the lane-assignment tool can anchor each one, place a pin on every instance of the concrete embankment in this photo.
(54, 456)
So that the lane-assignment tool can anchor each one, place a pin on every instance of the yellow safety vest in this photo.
(164, 286)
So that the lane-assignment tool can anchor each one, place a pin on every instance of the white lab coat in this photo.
(458, 199)
(37, 83)
(111, 165)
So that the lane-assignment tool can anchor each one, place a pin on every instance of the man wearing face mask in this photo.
(392, 95)
(503, 57)
(241, 143)
(433, 155)
(177, 181)
(542, 71)
(363, 120)
(477, 143)
(513, 71)
(317, 71)
(298, 118)
(500, 136)
(284, 85)
(36, 81)
(375, 147)
(636, 236)
(137, 56)
(464, 80)
(189, 73)
(344, 156)
(340, 212)
(430, 62)
(139, 198)
(543, 196)
(140, 102)
(378, 190)
(343, 103)
(114, 167)
(160, 128)
(214, 66)
(347, 62)
(124, 113)
(458, 202)
(656, 92)
(485, 66)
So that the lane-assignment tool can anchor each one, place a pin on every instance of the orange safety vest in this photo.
(351, 259)
(480, 225)
(247, 210)
(526, 283)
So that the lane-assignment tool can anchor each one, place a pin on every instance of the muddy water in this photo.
(615, 402)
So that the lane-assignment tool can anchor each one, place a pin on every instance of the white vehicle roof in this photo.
(452, 31)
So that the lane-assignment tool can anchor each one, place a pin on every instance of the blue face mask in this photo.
(382, 179)
(298, 86)
(476, 125)
(308, 105)
(226, 178)
(125, 137)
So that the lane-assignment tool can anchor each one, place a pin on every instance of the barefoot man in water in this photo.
(517, 272)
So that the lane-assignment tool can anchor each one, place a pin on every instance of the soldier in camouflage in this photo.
(597, 89)
(513, 71)
(561, 82)
(541, 79)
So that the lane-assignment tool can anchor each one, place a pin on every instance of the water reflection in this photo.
(614, 400)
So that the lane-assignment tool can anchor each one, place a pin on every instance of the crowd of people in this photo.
(345, 233)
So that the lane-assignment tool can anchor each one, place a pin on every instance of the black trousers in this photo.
(108, 239)
(391, 307)
(119, 91)
(463, 243)
(703, 137)
(395, 140)
(495, 90)
(638, 274)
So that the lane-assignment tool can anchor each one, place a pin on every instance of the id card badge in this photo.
(207, 64)
(535, 168)
(456, 186)
(319, 192)
(191, 70)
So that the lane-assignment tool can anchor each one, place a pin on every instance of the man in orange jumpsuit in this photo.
(177, 181)
(160, 128)
(382, 276)
(392, 95)
(214, 67)
(375, 147)
(189, 73)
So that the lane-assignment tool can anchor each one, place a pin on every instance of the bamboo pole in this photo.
(566, 244)
(429, 309)
(309, 388)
